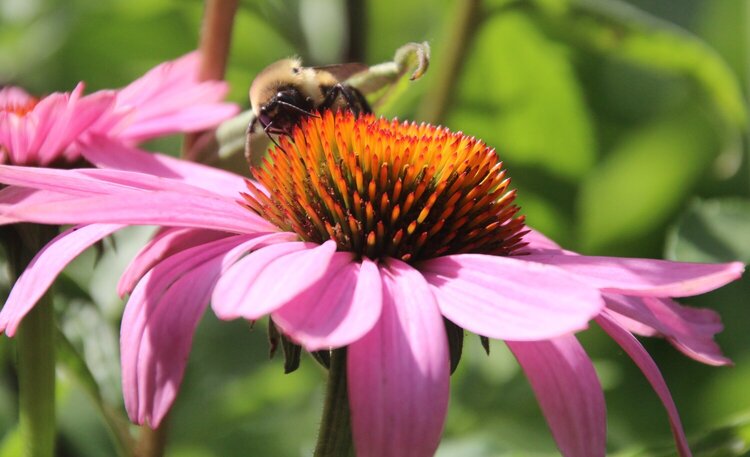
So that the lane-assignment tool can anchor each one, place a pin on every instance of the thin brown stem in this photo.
(215, 42)
(152, 442)
(356, 45)
(435, 103)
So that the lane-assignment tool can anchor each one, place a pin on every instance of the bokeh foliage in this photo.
(623, 126)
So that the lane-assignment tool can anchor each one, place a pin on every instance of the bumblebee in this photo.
(285, 92)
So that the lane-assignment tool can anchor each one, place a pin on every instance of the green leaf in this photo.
(519, 93)
(712, 231)
(644, 179)
(12, 443)
(615, 28)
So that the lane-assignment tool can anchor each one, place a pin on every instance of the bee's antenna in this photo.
(297, 108)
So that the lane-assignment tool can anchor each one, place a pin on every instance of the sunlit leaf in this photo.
(712, 231)
(613, 27)
(644, 179)
(519, 93)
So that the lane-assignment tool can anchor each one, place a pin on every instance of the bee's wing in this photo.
(343, 71)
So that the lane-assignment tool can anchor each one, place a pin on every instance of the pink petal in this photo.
(538, 241)
(510, 298)
(398, 373)
(89, 181)
(61, 121)
(160, 319)
(14, 96)
(340, 309)
(569, 393)
(21, 196)
(641, 358)
(167, 242)
(691, 330)
(168, 99)
(145, 208)
(189, 119)
(44, 268)
(106, 153)
(270, 278)
(646, 277)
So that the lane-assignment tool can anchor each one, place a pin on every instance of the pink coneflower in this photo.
(168, 99)
(365, 234)
(37, 132)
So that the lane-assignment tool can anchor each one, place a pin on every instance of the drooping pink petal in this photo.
(72, 182)
(44, 268)
(107, 153)
(398, 372)
(91, 181)
(641, 358)
(160, 319)
(167, 99)
(166, 243)
(22, 196)
(145, 208)
(340, 309)
(270, 278)
(691, 330)
(645, 277)
(569, 393)
(510, 298)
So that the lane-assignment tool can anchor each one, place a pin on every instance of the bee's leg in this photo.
(268, 134)
(353, 98)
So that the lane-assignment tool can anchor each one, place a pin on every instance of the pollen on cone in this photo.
(383, 188)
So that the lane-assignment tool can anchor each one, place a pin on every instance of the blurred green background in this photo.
(623, 125)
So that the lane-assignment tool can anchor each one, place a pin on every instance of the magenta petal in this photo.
(166, 243)
(398, 373)
(145, 208)
(168, 99)
(340, 309)
(160, 319)
(44, 268)
(107, 153)
(569, 393)
(539, 242)
(510, 298)
(647, 277)
(641, 358)
(691, 330)
(270, 278)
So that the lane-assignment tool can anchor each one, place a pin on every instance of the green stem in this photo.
(152, 442)
(35, 348)
(461, 32)
(36, 379)
(335, 435)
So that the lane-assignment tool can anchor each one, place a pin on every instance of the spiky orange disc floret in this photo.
(382, 188)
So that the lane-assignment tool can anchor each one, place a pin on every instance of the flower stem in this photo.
(35, 348)
(152, 442)
(36, 379)
(460, 34)
(335, 435)
(215, 41)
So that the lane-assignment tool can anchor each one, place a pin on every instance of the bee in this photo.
(285, 92)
